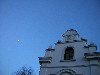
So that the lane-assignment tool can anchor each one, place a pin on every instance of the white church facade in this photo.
(71, 56)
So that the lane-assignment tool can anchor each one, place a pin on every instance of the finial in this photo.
(59, 41)
(50, 47)
(91, 42)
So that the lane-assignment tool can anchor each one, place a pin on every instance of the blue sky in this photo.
(39, 23)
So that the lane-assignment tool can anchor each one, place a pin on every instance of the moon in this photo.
(18, 40)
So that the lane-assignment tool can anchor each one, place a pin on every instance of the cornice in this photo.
(70, 66)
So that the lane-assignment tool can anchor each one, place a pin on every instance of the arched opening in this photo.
(66, 72)
(69, 53)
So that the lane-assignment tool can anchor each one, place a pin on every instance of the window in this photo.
(69, 53)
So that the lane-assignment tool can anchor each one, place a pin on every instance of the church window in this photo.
(69, 53)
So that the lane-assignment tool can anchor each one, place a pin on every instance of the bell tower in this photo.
(71, 56)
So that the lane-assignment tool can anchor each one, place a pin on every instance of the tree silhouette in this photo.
(24, 71)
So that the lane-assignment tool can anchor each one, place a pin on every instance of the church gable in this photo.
(71, 56)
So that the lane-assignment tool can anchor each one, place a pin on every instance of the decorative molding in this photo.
(68, 41)
(86, 46)
(68, 60)
(90, 46)
(45, 60)
(83, 39)
(50, 50)
(92, 56)
(70, 66)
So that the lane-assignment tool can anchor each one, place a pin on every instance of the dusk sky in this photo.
(28, 27)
